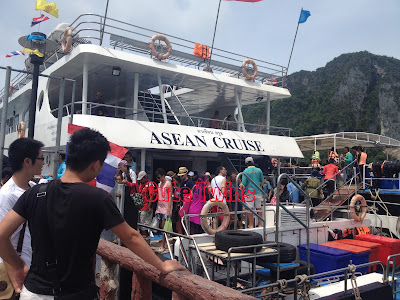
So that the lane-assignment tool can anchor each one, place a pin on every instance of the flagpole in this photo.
(104, 24)
(294, 41)
(215, 30)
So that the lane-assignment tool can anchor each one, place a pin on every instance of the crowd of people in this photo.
(49, 233)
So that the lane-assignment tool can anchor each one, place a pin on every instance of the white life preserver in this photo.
(364, 208)
(203, 216)
(271, 81)
(244, 64)
(66, 41)
(154, 52)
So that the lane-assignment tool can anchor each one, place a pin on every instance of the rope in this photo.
(282, 284)
(352, 269)
(303, 279)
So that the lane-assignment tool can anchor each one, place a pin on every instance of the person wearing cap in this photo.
(149, 192)
(186, 182)
(253, 194)
(185, 191)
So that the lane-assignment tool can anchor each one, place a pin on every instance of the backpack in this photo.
(137, 199)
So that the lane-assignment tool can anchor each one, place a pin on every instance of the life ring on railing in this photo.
(246, 62)
(203, 216)
(66, 41)
(10, 90)
(353, 205)
(271, 81)
(154, 52)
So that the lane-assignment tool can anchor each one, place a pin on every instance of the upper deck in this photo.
(177, 91)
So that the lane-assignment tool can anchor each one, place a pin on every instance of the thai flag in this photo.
(15, 53)
(38, 20)
(105, 180)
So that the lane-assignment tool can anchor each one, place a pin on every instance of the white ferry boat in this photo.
(156, 97)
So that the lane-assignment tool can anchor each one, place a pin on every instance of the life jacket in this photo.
(201, 50)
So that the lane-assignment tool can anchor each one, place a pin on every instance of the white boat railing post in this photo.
(59, 123)
(135, 96)
(4, 114)
(71, 116)
(268, 121)
(164, 112)
(85, 83)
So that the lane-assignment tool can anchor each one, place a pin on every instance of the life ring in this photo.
(251, 62)
(271, 81)
(364, 208)
(154, 52)
(66, 41)
(10, 90)
(203, 216)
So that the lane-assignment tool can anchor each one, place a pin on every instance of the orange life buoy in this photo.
(353, 205)
(66, 41)
(246, 62)
(271, 81)
(154, 52)
(206, 208)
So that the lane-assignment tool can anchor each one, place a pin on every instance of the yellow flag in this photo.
(50, 8)
(36, 51)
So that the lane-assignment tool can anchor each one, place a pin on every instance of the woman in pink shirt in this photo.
(164, 205)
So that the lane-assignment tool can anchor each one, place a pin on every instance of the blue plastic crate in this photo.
(360, 258)
(325, 258)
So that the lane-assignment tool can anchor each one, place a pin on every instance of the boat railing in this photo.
(391, 271)
(183, 284)
(182, 119)
(280, 205)
(301, 284)
(127, 36)
(343, 172)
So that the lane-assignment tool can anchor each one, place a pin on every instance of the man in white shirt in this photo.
(26, 160)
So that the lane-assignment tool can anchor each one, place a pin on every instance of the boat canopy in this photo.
(344, 139)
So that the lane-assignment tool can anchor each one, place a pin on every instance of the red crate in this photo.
(389, 246)
(374, 249)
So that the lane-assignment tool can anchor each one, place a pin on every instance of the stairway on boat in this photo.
(332, 202)
(151, 104)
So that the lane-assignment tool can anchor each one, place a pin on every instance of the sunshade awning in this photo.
(344, 139)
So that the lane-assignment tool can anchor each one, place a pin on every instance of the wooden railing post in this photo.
(141, 288)
(108, 280)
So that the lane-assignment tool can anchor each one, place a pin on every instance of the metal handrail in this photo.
(306, 226)
(138, 110)
(340, 172)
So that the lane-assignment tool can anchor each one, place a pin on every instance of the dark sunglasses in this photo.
(40, 158)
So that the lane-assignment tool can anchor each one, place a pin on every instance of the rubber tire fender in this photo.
(235, 238)
(288, 254)
(301, 269)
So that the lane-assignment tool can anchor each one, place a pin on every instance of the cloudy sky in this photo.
(262, 30)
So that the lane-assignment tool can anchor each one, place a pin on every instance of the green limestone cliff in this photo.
(354, 92)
